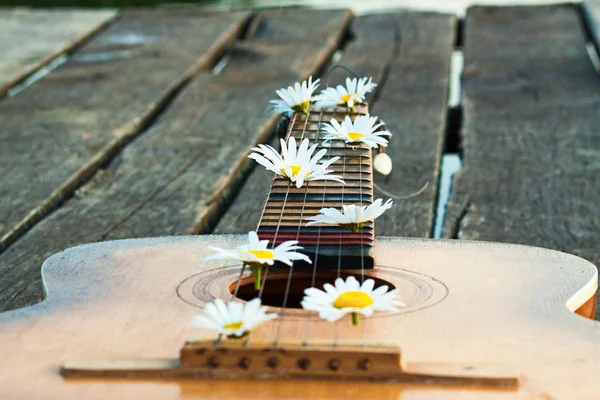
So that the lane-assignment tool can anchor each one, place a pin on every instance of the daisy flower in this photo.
(350, 297)
(363, 129)
(296, 98)
(256, 255)
(234, 319)
(351, 217)
(353, 93)
(297, 166)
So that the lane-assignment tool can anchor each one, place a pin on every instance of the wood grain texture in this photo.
(411, 100)
(31, 38)
(590, 10)
(530, 134)
(136, 298)
(72, 121)
(173, 178)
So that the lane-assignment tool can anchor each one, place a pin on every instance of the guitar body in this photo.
(467, 302)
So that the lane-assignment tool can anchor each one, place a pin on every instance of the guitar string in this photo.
(290, 273)
(287, 192)
(362, 255)
(239, 280)
(266, 272)
(339, 264)
(314, 272)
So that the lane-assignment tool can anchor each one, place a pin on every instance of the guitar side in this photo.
(468, 302)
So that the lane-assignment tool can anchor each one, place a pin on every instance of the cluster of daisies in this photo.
(300, 164)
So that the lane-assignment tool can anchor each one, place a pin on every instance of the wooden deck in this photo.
(117, 125)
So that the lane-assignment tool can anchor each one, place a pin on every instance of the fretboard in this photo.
(287, 207)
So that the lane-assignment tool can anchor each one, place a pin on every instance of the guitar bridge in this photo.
(346, 361)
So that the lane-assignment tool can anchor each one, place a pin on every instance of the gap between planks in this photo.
(126, 133)
(46, 63)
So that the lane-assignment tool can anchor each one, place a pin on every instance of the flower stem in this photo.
(355, 318)
(257, 271)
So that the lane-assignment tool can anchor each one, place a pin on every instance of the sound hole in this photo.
(275, 287)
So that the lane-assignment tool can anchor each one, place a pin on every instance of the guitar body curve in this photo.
(467, 302)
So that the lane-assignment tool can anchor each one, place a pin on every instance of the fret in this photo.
(322, 239)
(325, 230)
(318, 191)
(287, 218)
(293, 226)
(348, 176)
(287, 207)
(291, 217)
(278, 205)
(365, 184)
(346, 198)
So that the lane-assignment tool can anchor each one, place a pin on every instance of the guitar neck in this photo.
(287, 207)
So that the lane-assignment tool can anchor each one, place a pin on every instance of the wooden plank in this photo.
(591, 14)
(530, 134)
(411, 99)
(413, 105)
(76, 118)
(30, 39)
(174, 178)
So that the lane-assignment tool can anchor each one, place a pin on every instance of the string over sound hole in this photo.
(275, 286)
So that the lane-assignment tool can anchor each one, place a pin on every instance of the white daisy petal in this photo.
(296, 164)
(352, 216)
(201, 321)
(256, 253)
(361, 130)
(350, 297)
(367, 285)
(353, 93)
(232, 319)
(295, 98)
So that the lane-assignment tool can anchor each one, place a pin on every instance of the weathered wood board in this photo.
(71, 122)
(174, 177)
(408, 54)
(530, 135)
(591, 13)
(32, 38)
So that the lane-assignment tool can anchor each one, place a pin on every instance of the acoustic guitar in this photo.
(481, 321)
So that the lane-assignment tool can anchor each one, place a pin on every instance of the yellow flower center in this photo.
(353, 300)
(355, 135)
(295, 169)
(354, 226)
(302, 107)
(233, 325)
(347, 97)
(261, 253)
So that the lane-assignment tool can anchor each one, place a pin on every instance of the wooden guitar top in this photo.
(467, 302)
